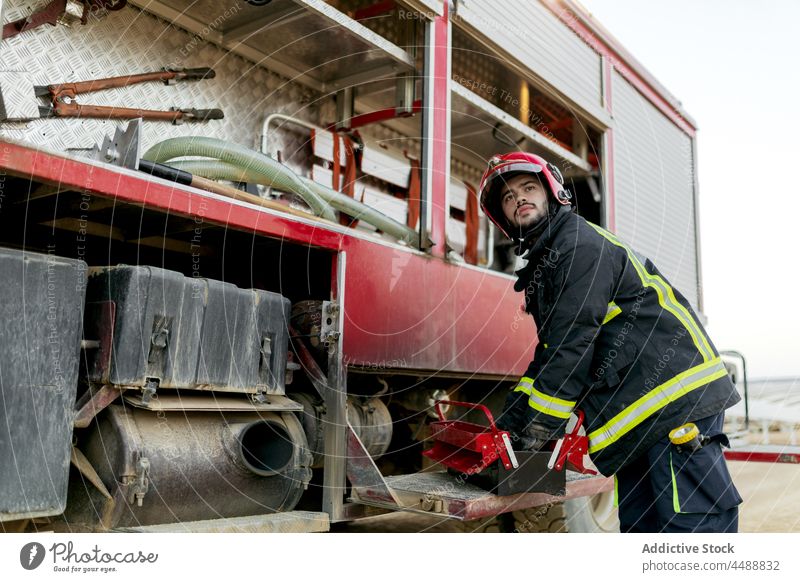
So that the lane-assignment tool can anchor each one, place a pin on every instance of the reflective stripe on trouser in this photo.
(544, 403)
(633, 415)
(676, 502)
(666, 297)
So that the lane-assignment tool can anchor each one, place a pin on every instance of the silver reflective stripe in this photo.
(540, 401)
(549, 404)
(613, 311)
(525, 385)
(654, 401)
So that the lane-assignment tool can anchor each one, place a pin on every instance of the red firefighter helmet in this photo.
(507, 165)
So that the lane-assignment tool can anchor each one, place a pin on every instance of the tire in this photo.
(595, 514)
(549, 518)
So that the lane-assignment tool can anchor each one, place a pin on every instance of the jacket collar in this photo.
(536, 241)
(538, 237)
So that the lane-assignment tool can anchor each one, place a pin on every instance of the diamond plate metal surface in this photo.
(15, 101)
(131, 41)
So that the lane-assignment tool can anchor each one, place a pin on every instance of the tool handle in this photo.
(73, 89)
(200, 114)
(182, 177)
(579, 422)
(571, 449)
(566, 443)
(63, 109)
(470, 405)
(165, 172)
(193, 74)
(72, 109)
(236, 194)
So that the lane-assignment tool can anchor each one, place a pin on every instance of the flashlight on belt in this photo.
(688, 436)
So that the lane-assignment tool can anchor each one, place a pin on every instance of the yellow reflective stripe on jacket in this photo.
(549, 409)
(544, 403)
(666, 297)
(613, 311)
(525, 385)
(551, 405)
(633, 415)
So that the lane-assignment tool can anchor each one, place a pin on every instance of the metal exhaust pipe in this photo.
(263, 447)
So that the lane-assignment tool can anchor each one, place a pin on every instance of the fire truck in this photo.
(244, 274)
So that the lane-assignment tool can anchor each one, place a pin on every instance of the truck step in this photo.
(448, 495)
(287, 522)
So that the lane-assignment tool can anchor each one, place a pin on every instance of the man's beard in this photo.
(523, 232)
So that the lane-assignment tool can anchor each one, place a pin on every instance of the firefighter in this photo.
(617, 341)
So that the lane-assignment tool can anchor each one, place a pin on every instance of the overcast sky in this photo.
(734, 66)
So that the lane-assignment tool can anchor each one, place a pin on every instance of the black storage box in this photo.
(41, 308)
(181, 332)
(531, 476)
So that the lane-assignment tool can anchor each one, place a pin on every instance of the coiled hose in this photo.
(237, 163)
(272, 173)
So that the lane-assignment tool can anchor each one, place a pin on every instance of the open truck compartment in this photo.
(263, 288)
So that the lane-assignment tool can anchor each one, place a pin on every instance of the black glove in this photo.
(514, 417)
(534, 437)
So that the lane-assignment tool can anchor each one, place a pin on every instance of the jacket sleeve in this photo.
(582, 289)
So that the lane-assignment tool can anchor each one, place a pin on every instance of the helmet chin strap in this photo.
(525, 240)
(552, 209)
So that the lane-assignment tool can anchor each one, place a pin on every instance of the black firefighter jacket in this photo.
(617, 341)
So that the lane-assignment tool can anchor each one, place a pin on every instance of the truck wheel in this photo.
(545, 518)
(595, 514)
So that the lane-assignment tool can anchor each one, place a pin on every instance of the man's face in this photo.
(524, 200)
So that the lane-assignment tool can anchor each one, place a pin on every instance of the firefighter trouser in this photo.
(671, 490)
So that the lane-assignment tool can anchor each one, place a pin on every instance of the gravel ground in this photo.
(771, 494)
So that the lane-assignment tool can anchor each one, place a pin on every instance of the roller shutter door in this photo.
(655, 187)
(542, 43)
